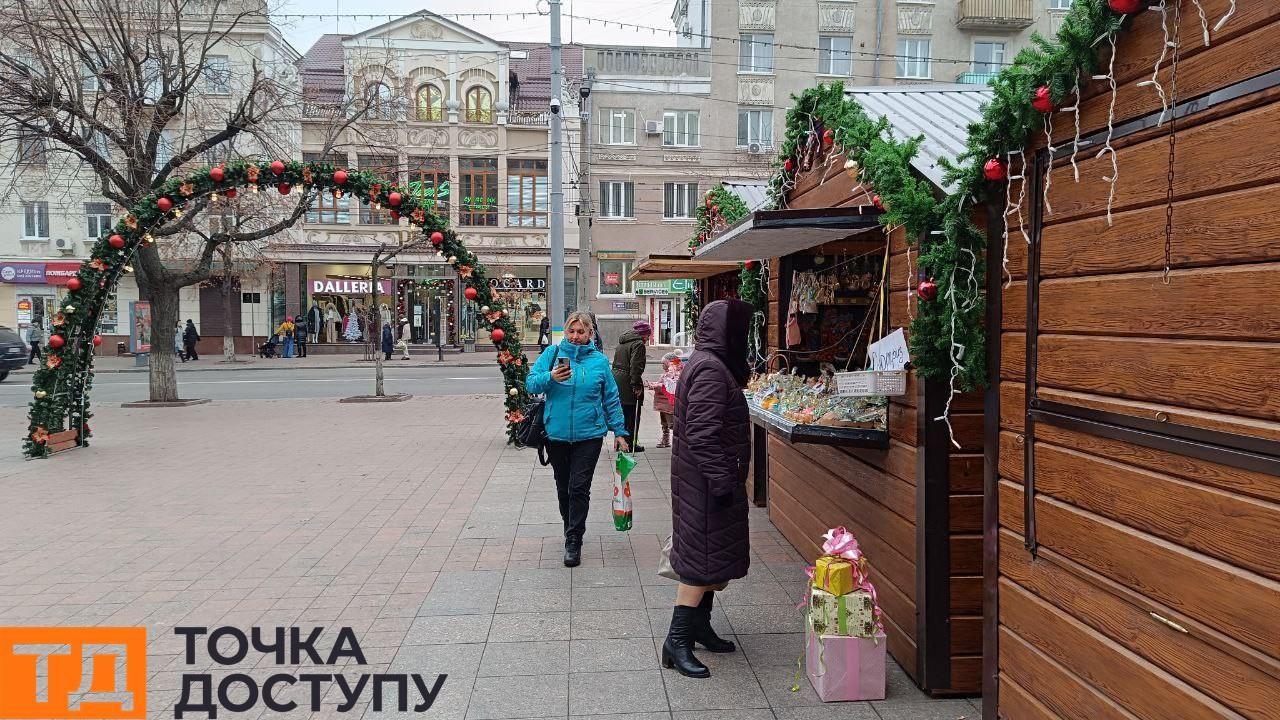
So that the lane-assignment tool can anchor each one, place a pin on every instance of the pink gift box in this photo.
(845, 668)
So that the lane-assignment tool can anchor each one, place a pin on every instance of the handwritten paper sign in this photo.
(890, 352)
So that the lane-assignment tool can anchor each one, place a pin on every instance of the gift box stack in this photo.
(844, 637)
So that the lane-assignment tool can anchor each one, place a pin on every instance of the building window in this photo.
(913, 58)
(617, 199)
(32, 150)
(327, 209)
(35, 220)
(680, 128)
(380, 104)
(217, 74)
(429, 183)
(988, 57)
(755, 126)
(108, 318)
(385, 168)
(615, 277)
(223, 222)
(619, 127)
(835, 55)
(1059, 4)
(479, 105)
(164, 150)
(527, 193)
(99, 219)
(679, 200)
(755, 53)
(479, 192)
(429, 103)
(248, 298)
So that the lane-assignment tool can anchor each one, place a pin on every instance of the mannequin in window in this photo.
(331, 322)
(315, 320)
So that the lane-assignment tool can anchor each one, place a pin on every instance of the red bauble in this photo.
(498, 335)
(927, 290)
(1042, 101)
(97, 340)
(788, 164)
(73, 283)
(715, 209)
(394, 199)
(217, 174)
(230, 193)
(339, 177)
(277, 167)
(750, 264)
(875, 200)
(437, 237)
(56, 341)
(395, 216)
(1126, 7)
(116, 242)
(995, 170)
(828, 136)
(470, 293)
(284, 188)
(165, 204)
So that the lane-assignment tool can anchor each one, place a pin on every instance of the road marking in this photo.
(101, 384)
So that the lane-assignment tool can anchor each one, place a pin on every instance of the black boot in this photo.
(677, 650)
(572, 552)
(704, 634)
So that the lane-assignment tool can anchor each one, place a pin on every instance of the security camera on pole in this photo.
(555, 293)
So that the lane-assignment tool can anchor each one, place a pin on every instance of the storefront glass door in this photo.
(665, 327)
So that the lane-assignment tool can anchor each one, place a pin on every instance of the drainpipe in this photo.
(875, 74)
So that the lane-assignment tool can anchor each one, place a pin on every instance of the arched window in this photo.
(378, 96)
(430, 103)
(479, 105)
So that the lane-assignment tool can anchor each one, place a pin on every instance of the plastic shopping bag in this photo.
(622, 466)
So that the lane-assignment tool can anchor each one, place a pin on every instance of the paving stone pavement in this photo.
(416, 526)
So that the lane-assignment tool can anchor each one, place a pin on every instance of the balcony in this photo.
(975, 78)
(994, 14)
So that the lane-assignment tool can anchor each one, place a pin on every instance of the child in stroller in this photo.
(268, 348)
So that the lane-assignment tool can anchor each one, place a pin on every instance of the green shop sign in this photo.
(661, 287)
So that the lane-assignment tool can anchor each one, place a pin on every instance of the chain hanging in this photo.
(1173, 141)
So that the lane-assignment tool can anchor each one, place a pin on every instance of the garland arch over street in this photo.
(62, 383)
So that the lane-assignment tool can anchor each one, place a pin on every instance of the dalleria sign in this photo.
(342, 286)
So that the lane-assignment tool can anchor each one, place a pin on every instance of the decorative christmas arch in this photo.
(62, 382)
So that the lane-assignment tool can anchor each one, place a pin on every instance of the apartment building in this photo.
(669, 123)
(460, 118)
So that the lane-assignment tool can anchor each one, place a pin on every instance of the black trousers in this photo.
(301, 344)
(35, 353)
(631, 417)
(574, 464)
(191, 350)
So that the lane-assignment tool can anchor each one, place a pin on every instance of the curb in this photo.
(358, 364)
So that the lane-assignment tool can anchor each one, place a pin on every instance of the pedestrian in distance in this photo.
(35, 336)
(190, 337)
(710, 544)
(596, 338)
(300, 329)
(581, 408)
(628, 372)
(664, 394)
(179, 341)
(286, 334)
(388, 341)
(544, 333)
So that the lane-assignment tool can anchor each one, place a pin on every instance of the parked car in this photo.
(13, 352)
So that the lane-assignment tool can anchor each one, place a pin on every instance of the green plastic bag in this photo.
(622, 466)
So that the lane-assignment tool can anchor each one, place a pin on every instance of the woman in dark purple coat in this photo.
(709, 459)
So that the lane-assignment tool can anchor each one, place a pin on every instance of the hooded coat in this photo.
(711, 451)
(388, 339)
(628, 366)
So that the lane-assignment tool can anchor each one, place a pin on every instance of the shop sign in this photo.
(24, 273)
(682, 285)
(60, 273)
(626, 306)
(612, 278)
(615, 254)
(24, 311)
(341, 286)
(538, 284)
(140, 328)
(651, 287)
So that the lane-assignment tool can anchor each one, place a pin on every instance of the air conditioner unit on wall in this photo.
(755, 148)
(66, 246)
(653, 127)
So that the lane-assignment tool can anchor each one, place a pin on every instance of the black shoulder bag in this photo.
(531, 432)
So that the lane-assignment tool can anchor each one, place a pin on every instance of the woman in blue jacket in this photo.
(582, 406)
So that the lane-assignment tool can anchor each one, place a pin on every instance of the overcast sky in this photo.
(303, 31)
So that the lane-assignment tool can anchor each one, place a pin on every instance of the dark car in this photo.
(13, 352)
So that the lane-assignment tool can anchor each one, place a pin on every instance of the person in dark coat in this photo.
(544, 333)
(190, 336)
(300, 335)
(596, 338)
(388, 341)
(628, 372)
(710, 544)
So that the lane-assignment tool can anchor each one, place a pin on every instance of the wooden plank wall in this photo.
(1130, 535)
(873, 492)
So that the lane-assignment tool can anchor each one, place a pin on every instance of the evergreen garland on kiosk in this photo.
(721, 208)
(61, 384)
(948, 337)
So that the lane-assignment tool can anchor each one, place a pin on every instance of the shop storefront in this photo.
(34, 290)
(662, 302)
(523, 291)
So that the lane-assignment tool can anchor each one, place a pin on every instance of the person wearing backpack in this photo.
(582, 406)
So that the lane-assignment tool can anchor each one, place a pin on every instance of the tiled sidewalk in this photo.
(413, 524)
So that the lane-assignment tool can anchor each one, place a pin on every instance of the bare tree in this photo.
(127, 95)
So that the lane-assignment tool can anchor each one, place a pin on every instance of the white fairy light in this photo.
(1164, 51)
(1204, 22)
(1222, 21)
(1111, 118)
(1048, 171)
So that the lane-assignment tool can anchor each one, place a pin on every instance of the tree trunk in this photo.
(375, 313)
(164, 318)
(228, 338)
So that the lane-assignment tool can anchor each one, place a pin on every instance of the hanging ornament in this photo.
(69, 308)
(513, 392)
(230, 193)
(395, 216)
(1126, 7)
(97, 340)
(394, 199)
(470, 293)
(788, 165)
(750, 264)
(165, 204)
(115, 241)
(498, 335)
(56, 341)
(453, 259)
(340, 177)
(877, 202)
(41, 394)
(437, 237)
(73, 284)
(996, 170)
(284, 188)
(828, 137)
(1042, 100)
(927, 290)
(715, 209)
(277, 167)
(217, 173)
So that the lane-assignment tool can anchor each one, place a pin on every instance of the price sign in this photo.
(890, 352)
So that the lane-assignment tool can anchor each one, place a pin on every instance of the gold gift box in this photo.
(834, 575)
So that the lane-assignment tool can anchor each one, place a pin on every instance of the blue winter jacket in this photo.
(584, 407)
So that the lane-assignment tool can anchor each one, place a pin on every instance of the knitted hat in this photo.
(642, 327)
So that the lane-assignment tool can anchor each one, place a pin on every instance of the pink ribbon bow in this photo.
(841, 543)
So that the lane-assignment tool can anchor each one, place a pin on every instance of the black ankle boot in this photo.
(677, 650)
(704, 634)
(572, 552)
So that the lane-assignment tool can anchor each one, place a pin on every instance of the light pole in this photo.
(555, 293)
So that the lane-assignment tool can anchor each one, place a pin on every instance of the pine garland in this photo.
(720, 209)
(62, 382)
(948, 337)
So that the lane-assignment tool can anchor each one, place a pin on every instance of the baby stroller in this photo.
(268, 348)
